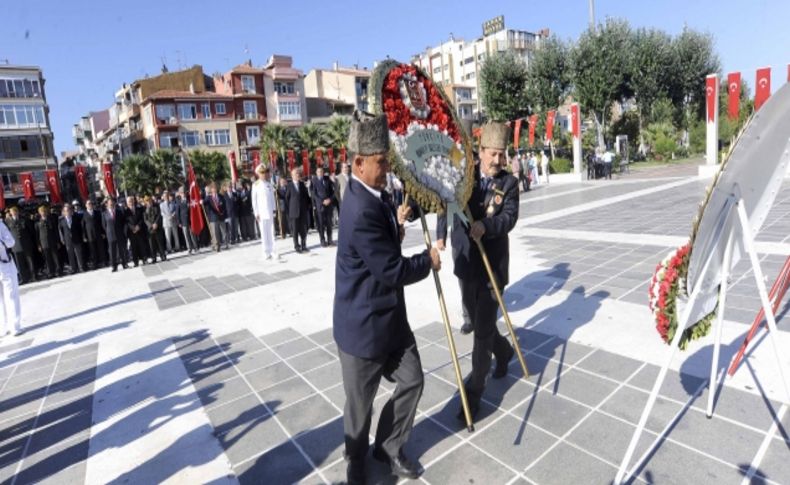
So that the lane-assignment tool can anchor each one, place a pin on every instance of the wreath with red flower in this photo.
(430, 152)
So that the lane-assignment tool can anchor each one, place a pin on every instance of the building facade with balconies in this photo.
(245, 84)
(284, 91)
(339, 90)
(25, 133)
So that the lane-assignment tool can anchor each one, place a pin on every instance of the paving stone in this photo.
(237, 413)
(741, 406)
(431, 332)
(235, 337)
(530, 340)
(260, 278)
(608, 438)
(284, 275)
(256, 360)
(67, 393)
(268, 376)
(283, 465)
(190, 291)
(676, 386)
(429, 440)
(61, 463)
(71, 421)
(310, 360)
(323, 337)
(434, 392)
(337, 395)
(222, 393)
(672, 463)
(280, 336)
(237, 282)
(325, 376)
(551, 413)
(249, 439)
(775, 465)
(610, 365)
(21, 344)
(628, 404)
(235, 350)
(554, 468)
(293, 347)
(433, 357)
(40, 376)
(513, 443)
(568, 353)
(447, 415)
(324, 444)
(583, 387)
(83, 363)
(507, 392)
(467, 465)
(306, 415)
(47, 362)
(287, 391)
(214, 286)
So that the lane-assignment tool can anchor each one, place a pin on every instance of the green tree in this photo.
(209, 166)
(336, 131)
(137, 175)
(600, 64)
(503, 85)
(548, 78)
(310, 137)
(693, 58)
(166, 166)
(649, 71)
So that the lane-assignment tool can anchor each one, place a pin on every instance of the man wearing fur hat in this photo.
(494, 207)
(371, 328)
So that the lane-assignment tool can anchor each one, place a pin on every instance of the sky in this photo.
(88, 49)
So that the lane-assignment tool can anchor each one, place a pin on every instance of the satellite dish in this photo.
(753, 172)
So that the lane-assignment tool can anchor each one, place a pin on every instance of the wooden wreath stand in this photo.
(733, 207)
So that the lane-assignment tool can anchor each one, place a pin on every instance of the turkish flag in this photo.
(82, 181)
(762, 89)
(272, 157)
(330, 154)
(53, 186)
(291, 160)
(108, 181)
(196, 222)
(550, 124)
(533, 122)
(26, 179)
(232, 160)
(305, 163)
(319, 157)
(733, 95)
(516, 134)
(575, 120)
(711, 96)
(343, 154)
(256, 159)
(2, 195)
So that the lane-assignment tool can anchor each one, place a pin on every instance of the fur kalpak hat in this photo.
(369, 134)
(495, 135)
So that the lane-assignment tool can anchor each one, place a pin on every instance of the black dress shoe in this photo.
(501, 365)
(399, 465)
(466, 329)
(355, 472)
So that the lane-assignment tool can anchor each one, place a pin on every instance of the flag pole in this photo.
(498, 294)
(470, 427)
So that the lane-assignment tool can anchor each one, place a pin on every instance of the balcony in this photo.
(249, 117)
(167, 122)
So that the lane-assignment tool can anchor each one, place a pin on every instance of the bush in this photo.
(697, 133)
(560, 165)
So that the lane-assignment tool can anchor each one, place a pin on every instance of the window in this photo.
(187, 111)
(206, 110)
(21, 116)
(209, 136)
(290, 110)
(253, 135)
(168, 140)
(222, 137)
(250, 110)
(219, 108)
(437, 69)
(190, 138)
(284, 87)
(164, 112)
(248, 84)
(469, 60)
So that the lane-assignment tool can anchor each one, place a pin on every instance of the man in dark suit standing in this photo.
(24, 247)
(371, 327)
(232, 211)
(92, 229)
(47, 239)
(114, 225)
(297, 198)
(71, 236)
(182, 216)
(135, 224)
(282, 214)
(323, 198)
(494, 207)
(216, 212)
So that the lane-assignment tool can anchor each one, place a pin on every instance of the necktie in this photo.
(387, 200)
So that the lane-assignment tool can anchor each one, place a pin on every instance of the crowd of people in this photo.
(524, 166)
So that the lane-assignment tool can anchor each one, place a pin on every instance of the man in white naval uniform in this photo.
(263, 207)
(9, 282)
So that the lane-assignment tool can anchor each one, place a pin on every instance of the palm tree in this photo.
(209, 166)
(137, 175)
(336, 131)
(166, 169)
(310, 137)
(276, 137)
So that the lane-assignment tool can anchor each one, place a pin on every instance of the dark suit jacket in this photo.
(21, 231)
(92, 225)
(322, 189)
(135, 217)
(245, 203)
(71, 235)
(370, 272)
(153, 215)
(114, 228)
(231, 203)
(502, 196)
(182, 212)
(298, 202)
(47, 232)
(215, 213)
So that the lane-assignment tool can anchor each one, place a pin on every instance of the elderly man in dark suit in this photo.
(92, 229)
(297, 199)
(114, 225)
(371, 328)
(136, 230)
(216, 212)
(323, 193)
(71, 236)
(494, 207)
(24, 247)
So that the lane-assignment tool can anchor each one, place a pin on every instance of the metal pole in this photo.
(591, 9)
(714, 362)
(498, 294)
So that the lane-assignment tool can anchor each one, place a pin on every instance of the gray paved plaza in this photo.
(222, 368)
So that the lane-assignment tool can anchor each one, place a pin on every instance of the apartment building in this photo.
(339, 90)
(284, 91)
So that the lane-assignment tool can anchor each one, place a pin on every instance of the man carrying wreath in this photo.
(371, 328)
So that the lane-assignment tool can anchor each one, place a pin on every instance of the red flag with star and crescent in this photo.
(762, 89)
(82, 182)
(108, 181)
(26, 179)
(196, 222)
(53, 186)
(733, 95)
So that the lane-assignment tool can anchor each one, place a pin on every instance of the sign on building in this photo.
(494, 25)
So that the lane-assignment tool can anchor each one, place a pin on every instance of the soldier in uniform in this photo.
(494, 207)
(371, 328)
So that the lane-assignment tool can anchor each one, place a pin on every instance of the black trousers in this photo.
(74, 253)
(95, 253)
(51, 260)
(25, 265)
(361, 378)
(139, 245)
(479, 301)
(117, 252)
(156, 239)
(324, 220)
(299, 231)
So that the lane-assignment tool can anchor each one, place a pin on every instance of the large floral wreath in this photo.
(430, 152)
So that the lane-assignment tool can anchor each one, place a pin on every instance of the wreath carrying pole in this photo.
(499, 299)
(470, 427)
